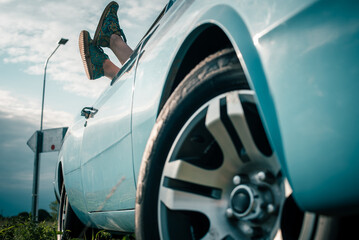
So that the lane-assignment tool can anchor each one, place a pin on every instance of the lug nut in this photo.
(270, 208)
(237, 180)
(247, 230)
(229, 212)
(261, 176)
(267, 177)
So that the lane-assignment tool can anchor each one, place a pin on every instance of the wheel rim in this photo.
(220, 174)
(63, 213)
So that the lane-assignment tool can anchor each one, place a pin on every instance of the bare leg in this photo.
(122, 52)
(120, 48)
(110, 69)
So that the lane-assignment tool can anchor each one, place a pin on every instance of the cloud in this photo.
(19, 118)
(141, 10)
(30, 31)
(16, 165)
(13, 108)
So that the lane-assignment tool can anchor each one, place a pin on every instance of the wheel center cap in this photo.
(242, 200)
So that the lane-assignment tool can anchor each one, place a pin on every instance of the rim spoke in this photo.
(236, 114)
(238, 119)
(180, 200)
(213, 209)
(220, 229)
(185, 171)
(216, 127)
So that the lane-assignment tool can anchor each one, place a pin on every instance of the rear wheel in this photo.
(67, 222)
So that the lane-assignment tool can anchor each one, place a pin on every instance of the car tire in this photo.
(217, 74)
(67, 223)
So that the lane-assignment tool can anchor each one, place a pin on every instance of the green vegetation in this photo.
(54, 206)
(22, 228)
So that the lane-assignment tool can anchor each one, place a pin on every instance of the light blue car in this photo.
(233, 119)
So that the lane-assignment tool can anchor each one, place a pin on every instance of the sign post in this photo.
(48, 140)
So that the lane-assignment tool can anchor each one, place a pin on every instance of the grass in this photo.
(22, 228)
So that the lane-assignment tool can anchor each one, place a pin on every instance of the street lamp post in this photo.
(35, 187)
(62, 41)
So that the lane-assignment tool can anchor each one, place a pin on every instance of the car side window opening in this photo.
(131, 61)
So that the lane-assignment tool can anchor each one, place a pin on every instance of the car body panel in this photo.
(108, 182)
(106, 159)
(98, 173)
(71, 147)
(122, 221)
(315, 95)
(302, 65)
(74, 190)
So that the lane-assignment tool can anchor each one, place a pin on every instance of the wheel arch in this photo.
(60, 177)
(218, 28)
(193, 50)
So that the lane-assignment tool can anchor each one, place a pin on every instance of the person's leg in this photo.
(94, 58)
(96, 62)
(108, 34)
(110, 69)
(122, 52)
(120, 48)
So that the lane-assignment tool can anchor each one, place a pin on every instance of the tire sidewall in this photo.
(71, 227)
(204, 83)
(61, 223)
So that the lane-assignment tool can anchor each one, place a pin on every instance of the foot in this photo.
(107, 26)
(92, 56)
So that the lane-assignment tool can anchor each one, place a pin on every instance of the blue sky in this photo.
(29, 32)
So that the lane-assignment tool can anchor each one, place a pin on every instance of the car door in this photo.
(106, 155)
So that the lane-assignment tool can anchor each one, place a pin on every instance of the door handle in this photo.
(88, 112)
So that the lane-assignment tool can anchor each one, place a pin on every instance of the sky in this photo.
(30, 31)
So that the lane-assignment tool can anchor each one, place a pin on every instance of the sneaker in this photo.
(92, 56)
(107, 26)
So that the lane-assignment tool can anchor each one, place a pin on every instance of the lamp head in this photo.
(63, 41)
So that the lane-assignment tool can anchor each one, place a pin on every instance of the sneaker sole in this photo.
(85, 53)
(99, 25)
